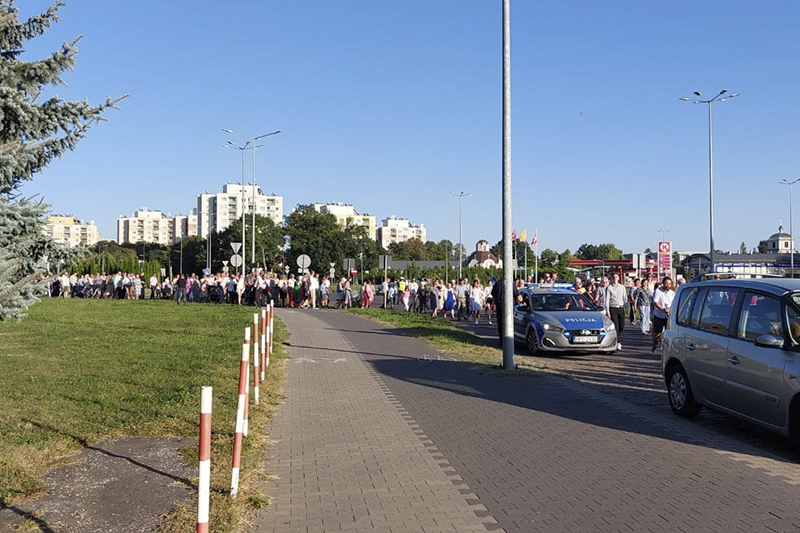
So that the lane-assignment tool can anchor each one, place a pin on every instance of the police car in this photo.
(561, 320)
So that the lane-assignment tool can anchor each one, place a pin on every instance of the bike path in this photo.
(539, 453)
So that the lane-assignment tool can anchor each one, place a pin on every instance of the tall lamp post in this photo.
(460, 196)
(791, 226)
(700, 99)
(242, 149)
(253, 141)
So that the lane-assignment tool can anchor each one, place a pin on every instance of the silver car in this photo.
(734, 346)
(561, 320)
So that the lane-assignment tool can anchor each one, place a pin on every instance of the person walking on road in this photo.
(450, 300)
(614, 306)
(643, 297)
(462, 293)
(662, 303)
(476, 300)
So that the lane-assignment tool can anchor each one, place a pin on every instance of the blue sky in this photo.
(392, 105)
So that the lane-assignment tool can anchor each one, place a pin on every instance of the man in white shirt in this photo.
(662, 304)
(614, 306)
(153, 286)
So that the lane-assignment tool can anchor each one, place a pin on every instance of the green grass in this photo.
(446, 337)
(76, 371)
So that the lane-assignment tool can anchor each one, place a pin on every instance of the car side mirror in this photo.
(769, 340)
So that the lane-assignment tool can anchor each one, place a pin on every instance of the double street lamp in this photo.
(791, 225)
(242, 149)
(700, 99)
(252, 140)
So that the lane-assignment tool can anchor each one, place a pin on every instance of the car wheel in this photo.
(679, 392)
(532, 342)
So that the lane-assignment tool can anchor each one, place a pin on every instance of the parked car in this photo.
(561, 320)
(734, 346)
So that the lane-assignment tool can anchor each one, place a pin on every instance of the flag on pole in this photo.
(514, 235)
(535, 240)
(523, 237)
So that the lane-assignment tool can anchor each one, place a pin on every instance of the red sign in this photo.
(354, 272)
(665, 257)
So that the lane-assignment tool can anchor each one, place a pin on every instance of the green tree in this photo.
(600, 251)
(34, 130)
(743, 248)
(317, 235)
(763, 247)
(269, 243)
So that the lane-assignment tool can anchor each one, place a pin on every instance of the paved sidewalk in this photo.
(348, 456)
(541, 453)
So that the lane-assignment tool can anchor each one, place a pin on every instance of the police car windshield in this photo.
(561, 302)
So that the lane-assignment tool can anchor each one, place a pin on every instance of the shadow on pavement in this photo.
(551, 397)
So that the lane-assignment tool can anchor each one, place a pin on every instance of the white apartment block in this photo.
(70, 231)
(346, 215)
(399, 230)
(155, 227)
(215, 212)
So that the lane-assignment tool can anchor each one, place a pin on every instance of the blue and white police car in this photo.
(561, 320)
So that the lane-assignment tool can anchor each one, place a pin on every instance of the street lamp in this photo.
(791, 226)
(460, 196)
(242, 149)
(253, 143)
(703, 100)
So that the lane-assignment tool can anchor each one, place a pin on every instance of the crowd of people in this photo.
(646, 302)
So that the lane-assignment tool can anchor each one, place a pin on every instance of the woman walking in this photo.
(489, 299)
(450, 301)
(476, 300)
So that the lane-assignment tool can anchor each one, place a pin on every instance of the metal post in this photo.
(244, 219)
(461, 196)
(508, 274)
(710, 191)
(253, 230)
(703, 100)
(791, 223)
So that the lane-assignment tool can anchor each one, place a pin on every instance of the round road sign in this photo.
(236, 260)
(304, 261)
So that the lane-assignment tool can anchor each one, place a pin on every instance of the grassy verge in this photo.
(446, 337)
(78, 371)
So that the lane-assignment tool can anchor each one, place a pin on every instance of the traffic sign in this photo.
(665, 247)
(354, 272)
(236, 247)
(287, 268)
(303, 261)
(236, 260)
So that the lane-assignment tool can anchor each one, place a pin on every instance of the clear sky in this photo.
(391, 105)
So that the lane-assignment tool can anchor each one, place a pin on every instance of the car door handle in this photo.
(734, 360)
(690, 347)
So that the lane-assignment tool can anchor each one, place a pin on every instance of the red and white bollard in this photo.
(204, 482)
(256, 357)
(271, 330)
(264, 341)
(240, 413)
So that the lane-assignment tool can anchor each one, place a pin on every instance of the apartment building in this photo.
(70, 231)
(217, 211)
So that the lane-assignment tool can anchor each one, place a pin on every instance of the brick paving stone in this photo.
(346, 456)
(550, 454)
